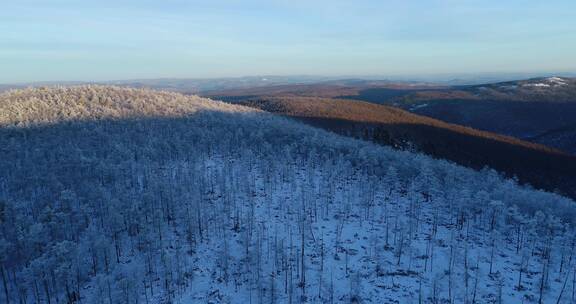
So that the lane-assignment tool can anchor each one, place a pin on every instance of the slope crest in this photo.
(48, 105)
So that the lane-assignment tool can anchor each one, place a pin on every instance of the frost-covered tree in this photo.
(116, 195)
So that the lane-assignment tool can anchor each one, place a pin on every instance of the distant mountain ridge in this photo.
(549, 89)
(541, 110)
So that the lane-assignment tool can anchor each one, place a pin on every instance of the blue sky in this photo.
(105, 39)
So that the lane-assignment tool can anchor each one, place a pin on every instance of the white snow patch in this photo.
(556, 80)
(537, 85)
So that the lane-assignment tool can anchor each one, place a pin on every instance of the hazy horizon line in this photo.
(441, 77)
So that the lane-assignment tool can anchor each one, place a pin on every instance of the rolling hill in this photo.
(525, 109)
(535, 164)
(117, 195)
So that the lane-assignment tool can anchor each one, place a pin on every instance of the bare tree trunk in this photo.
(476, 279)
(541, 289)
(302, 259)
(563, 287)
(5, 284)
(36, 292)
(272, 289)
(145, 290)
(574, 286)
(400, 247)
(47, 291)
(420, 289)
(332, 287)
(321, 267)
(500, 286)
(466, 274)
(109, 292)
(492, 255)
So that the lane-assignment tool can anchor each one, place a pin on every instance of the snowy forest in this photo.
(118, 195)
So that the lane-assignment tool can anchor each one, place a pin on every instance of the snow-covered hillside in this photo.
(551, 89)
(114, 195)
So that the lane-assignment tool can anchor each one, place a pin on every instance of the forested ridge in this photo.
(116, 195)
(537, 165)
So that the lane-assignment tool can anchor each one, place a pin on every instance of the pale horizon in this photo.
(474, 78)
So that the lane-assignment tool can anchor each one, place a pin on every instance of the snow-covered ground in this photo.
(163, 198)
(546, 83)
(362, 241)
(443, 260)
(556, 80)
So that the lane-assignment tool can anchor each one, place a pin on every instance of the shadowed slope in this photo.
(525, 109)
(532, 163)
